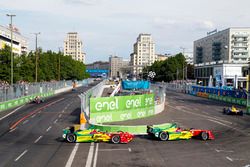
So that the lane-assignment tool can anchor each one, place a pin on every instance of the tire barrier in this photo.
(138, 130)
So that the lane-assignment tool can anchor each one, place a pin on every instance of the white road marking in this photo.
(55, 121)
(236, 129)
(96, 153)
(33, 116)
(48, 128)
(38, 139)
(230, 159)
(25, 122)
(90, 155)
(248, 165)
(72, 156)
(127, 149)
(223, 151)
(13, 129)
(21, 155)
(60, 115)
(11, 112)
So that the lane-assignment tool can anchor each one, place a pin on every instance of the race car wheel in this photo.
(115, 139)
(71, 138)
(224, 111)
(241, 113)
(163, 136)
(204, 135)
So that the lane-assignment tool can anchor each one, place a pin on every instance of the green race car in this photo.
(175, 133)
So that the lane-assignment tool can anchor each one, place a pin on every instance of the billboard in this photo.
(118, 108)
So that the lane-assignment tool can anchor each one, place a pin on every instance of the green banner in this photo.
(229, 99)
(121, 115)
(118, 103)
(119, 108)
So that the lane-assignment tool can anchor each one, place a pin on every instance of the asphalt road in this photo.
(36, 141)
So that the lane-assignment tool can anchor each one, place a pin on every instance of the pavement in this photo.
(37, 140)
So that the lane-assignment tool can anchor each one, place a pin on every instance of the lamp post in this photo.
(59, 63)
(36, 34)
(11, 52)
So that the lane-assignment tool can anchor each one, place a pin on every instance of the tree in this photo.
(169, 69)
(24, 66)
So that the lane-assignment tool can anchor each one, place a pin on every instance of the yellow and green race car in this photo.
(92, 135)
(88, 135)
(175, 133)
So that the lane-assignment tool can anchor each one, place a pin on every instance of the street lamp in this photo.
(11, 52)
(59, 63)
(36, 34)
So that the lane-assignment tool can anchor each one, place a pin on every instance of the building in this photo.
(98, 65)
(222, 56)
(230, 45)
(73, 47)
(189, 57)
(98, 69)
(20, 43)
(144, 53)
(161, 57)
(116, 66)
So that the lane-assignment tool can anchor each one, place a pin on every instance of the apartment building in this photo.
(222, 55)
(20, 43)
(143, 54)
(73, 47)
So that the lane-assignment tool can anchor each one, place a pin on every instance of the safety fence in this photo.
(239, 97)
(17, 95)
(95, 91)
(26, 89)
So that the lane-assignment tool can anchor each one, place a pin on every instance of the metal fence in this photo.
(180, 87)
(92, 92)
(159, 91)
(15, 91)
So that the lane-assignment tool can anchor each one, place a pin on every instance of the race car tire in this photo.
(163, 136)
(204, 136)
(241, 113)
(71, 138)
(224, 111)
(116, 139)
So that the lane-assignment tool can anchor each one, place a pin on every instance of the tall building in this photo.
(230, 45)
(144, 53)
(73, 47)
(222, 56)
(20, 43)
(116, 65)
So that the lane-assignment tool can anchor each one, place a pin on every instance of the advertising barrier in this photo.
(22, 100)
(120, 108)
(139, 129)
(229, 99)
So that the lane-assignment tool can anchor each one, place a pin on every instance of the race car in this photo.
(38, 100)
(175, 133)
(93, 135)
(232, 111)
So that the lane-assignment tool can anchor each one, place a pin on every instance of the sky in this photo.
(110, 27)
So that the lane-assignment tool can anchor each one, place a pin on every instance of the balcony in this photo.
(240, 51)
(240, 35)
